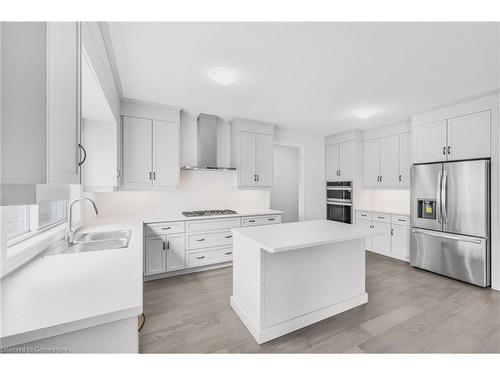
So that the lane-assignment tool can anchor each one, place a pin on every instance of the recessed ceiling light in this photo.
(224, 76)
(364, 113)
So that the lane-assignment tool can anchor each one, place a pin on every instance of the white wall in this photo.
(197, 190)
(391, 200)
(313, 171)
(285, 190)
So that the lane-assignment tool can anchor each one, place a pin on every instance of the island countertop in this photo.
(291, 236)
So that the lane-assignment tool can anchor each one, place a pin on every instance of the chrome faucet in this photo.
(70, 232)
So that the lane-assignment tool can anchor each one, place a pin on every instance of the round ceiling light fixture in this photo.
(364, 113)
(224, 76)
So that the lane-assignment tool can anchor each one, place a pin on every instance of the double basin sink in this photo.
(93, 241)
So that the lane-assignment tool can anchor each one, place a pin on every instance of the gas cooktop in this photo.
(208, 213)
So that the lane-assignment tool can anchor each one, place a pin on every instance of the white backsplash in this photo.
(391, 200)
(198, 190)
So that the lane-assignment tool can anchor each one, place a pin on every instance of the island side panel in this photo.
(306, 285)
(246, 297)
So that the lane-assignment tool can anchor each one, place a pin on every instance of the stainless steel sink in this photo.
(81, 247)
(100, 236)
(92, 242)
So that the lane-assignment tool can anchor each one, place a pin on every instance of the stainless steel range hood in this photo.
(213, 144)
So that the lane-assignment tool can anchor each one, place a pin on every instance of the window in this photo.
(22, 222)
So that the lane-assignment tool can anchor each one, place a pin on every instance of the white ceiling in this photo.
(308, 76)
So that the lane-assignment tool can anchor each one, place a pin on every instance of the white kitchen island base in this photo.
(277, 290)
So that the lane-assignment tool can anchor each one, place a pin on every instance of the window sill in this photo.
(22, 252)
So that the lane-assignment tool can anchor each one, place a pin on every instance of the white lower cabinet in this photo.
(395, 242)
(182, 245)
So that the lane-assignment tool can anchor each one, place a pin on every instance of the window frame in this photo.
(34, 229)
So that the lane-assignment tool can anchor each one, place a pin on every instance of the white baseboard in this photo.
(280, 329)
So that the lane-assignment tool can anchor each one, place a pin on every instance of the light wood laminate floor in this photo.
(409, 311)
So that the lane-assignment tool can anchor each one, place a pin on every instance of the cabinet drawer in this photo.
(165, 227)
(401, 220)
(212, 224)
(381, 218)
(251, 221)
(209, 239)
(203, 257)
(363, 215)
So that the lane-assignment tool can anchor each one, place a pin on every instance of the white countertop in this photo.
(62, 293)
(390, 211)
(291, 236)
(164, 217)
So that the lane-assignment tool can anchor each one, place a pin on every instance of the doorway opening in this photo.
(286, 192)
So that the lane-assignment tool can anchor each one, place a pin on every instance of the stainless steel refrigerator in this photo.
(450, 219)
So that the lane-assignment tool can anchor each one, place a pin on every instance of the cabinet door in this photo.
(332, 162)
(63, 102)
(176, 252)
(400, 241)
(137, 151)
(469, 136)
(155, 250)
(404, 159)
(389, 154)
(372, 162)
(367, 225)
(382, 243)
(264, 159)
(246, 171)
(429, 142)
(166, 153)
(346, 161)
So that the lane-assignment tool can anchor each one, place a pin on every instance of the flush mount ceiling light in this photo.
(364, 113)
(224, 76)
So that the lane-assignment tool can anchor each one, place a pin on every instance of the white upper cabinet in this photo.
(340, 161)
(387, 161)
(40, 101)
(332, 162)
(389, 169)
(151, 153)
(264, 159)
(166, 153)
(137, 151)
(150, 146)
(457, 138)
(252, 152)
(404, 159)
(469, 136)
(429, 142)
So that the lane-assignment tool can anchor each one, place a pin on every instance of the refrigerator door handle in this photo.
(438, 195)
(444, 187)
(447, 236)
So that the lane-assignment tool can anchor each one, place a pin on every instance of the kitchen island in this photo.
(288, 276)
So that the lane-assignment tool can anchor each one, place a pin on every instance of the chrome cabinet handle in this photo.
(166, 228)
(230, 236)
(163, 245)
(392, 232)
(400, 178)
(200, 257)
(84, 155)
(150, 176)
(257, 178)
(271, 219)
(444, 150)
(380, 178)
(228, 253)
(381, 217)
(168, 245)
(449, 152)
(154, 175)
(118, 173)
(251, 221)
(201, 239)
(402, 220)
